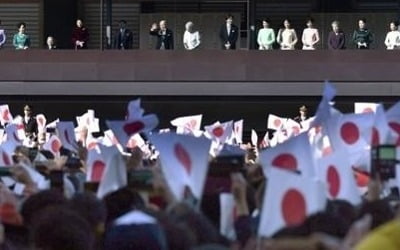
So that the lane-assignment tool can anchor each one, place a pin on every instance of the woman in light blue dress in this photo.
(21, 40)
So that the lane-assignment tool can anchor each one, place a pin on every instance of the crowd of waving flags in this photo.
(306, 164)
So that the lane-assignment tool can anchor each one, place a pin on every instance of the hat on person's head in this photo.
(303, 108)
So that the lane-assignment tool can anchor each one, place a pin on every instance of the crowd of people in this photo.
(49, 201)
(286, 38)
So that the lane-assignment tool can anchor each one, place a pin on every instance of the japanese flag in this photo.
(294, 154)
(254, 138)
(265, 141)
(136, 141)
(365, 107)
(351, 132)
(187, 124)
(292, 128)
(53, 123)
(5, 114)
(89, 121)
(91, 142)
(381, 131)
(393, 119)
(275, 122)
(13, 134)
(219, 132)
(288, 200)
(124, 130)
(115, 175)
(227, 215)
(95, 165)
(41, 123)
(53, 145)
(324, 110)
(135, 110)
(336, 171)
(184, 162)
(66, 134)
(238, 131)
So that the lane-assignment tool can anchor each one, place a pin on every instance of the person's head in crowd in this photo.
(380, 210)
(163, 25)
(122, 24)
(286, 24)
(265, 23)
(50, 42)
(310, 22)
(28, 110)
(91, 209)
(122, 201)
(394, 25)
(59, 228)
(303, 111)
(79, 23)
(344, 209)
(335, 26)
(189, 26)
(40, 201)
(21, 27)
(229, 19)
(362, 23)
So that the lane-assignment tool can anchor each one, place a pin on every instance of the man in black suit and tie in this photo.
(30, 124)
(229, 34)
(165, 38)
(123, 38)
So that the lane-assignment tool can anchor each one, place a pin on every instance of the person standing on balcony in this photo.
(80, 36)
(362, 37)
(310, 36)
(266, 36)
(165, 36)
(21, 40)
(392, 40)
(336, 38)
(229, 34)
(123, 38)
(2, 36)
(191, 37)
(287, 37)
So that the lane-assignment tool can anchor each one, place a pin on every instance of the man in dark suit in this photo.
(229, 34)
(123, 38)
(30, 124)
(165, 37)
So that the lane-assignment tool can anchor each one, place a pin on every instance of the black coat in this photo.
(30, 127)
(168, 38)
(123, 40)
(231, 37)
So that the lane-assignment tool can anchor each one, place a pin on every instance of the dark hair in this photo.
(58, 228)
(21, 24)
(266, 20)
(90, 208)
(229, 16)
(380, 210)
(396, 23)
(363, 19)
(40, 201)
(122, 21)
(310, 19)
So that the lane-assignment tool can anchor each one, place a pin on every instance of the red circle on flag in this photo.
(55, 146)
(133, 127)
(375, 137)
(218, 131)
(6, 114)
(192, 124)
(40, 121)
(285, 161)
(368, 110)
(183, 157)
(6, 159)
(92, 145)
(97, 170)
(362, 179)
(277, 123)
(349, 133)
(333, 178)
(296, 130)
(293, 207)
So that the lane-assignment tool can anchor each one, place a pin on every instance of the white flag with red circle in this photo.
(187, 124)
(89, 121)
(275, 122)
(114, 175)
(53, 145)
(219, 132)
(294, 155)
(5, 114)
(324, 111)
(66, 134)
(265, 141)
(381, 131)
(227, 215)
(254, 138)
(124, 130)
(238, 131)
(95, 166)
(184, 162)
(41, 123)
(365, 107)
(292, 128)
(336, 172)
(288, 200)
(351, 132)
(134, 111)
